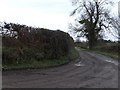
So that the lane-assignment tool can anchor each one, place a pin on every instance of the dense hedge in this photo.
(35, 44)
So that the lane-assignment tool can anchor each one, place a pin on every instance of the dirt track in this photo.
(93, 72)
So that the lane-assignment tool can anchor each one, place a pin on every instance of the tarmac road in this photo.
(91, 70)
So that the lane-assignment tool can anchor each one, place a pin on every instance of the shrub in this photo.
(10, 55)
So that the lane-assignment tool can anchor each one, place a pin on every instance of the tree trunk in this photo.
(92, 39)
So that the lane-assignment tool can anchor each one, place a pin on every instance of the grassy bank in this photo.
(44, 63)
(111, 54)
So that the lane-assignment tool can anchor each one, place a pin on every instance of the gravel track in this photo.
(93, 72)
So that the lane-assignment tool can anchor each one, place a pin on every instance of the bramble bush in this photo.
(34, 44)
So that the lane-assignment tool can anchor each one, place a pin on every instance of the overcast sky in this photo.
(51, 14)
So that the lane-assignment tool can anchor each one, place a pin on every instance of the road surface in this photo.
(91, 70)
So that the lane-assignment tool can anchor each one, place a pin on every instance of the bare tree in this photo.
(116, 27)
(93, 17)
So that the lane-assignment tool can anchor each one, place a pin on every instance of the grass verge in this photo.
(73, 55)
(35, 64)
(111, 54)
(44, 63)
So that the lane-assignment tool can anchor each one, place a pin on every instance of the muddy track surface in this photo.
(91, 70)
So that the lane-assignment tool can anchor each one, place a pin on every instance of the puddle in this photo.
(79, 64)
(111, 61)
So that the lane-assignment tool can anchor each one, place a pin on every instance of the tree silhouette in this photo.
(93, 17)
